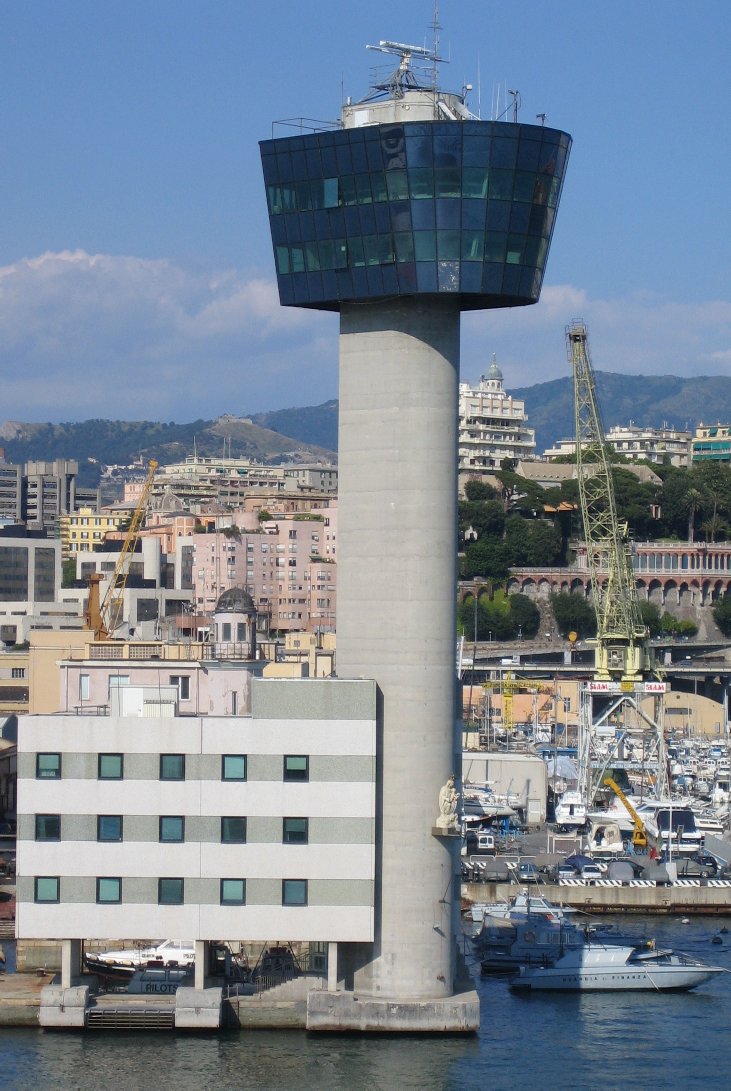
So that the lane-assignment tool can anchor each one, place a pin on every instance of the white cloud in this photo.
(121, 337)
(641, 333)
(98, 335)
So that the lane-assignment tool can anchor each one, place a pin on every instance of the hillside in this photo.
(96, 442)
(311, 432)
(651, 400)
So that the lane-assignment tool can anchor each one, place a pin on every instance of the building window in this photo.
(115, 681)
(109, 827)
(172, 827)
(233, 767)
(108, 891)
(233, 891)
(48, 827)
(233, 830)
(46, 888)
(172, 767)
(296, 767)
(17, 672)
(182, 681)
(84, 686)
(226, 631)
(294, 831)
(294, 891)
(111, 767)
(48, 766)
(170, 891)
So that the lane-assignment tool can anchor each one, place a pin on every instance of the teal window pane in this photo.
(295, 831)
(534, 251)
(385, 250)
(355, 253)
(47, 888)
(109, 827)
(233, 891)
(283, 263)
(296, 767)
(340, 253)
(233, 830)
(473, 245)
(294, 892)
(330, 193)
(274, 199)
(233, 767)
(421, 183)
(425, 245)
(448, 245)
(109, 891)
(347, 190)
(327, 260)
(110, 767)
(404, 241)
(447, 181)
(398, 189)
(514, 255)
(370, 249)
(553, 192)
(172, 767)
(475, 151)
(501, 184)
(48, 766)
(525, 181)
(170, 891)
(363, 189)
(378, 185)
(312, 258)
(298, 259)
(495, 243)
(48, 827)
(474, 182)
(172, 827)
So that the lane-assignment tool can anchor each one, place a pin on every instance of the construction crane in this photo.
(99, 617)
(639, 833)
(622, 650)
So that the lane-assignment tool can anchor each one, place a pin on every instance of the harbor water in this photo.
(590, 1041)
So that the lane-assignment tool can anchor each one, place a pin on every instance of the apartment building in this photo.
(85, 529)
(492, 425)
(656, 445)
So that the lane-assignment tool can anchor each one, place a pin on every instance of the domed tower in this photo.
(234, 625)
(494, 378)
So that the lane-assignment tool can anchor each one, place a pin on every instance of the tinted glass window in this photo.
(170, 891)
(48, 827)
(233, 830)
(233, 767)
(233, 891)
(109, 891)
(172, 827)
(172, 767)
(46, 888)
(111, 766)
(48, 766)
(294, 831)
(296, 767)
(109, 827)
(294, 892)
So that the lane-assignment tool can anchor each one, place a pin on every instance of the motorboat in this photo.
(504, 944)
(121, 965)
(599, 967)
(525, 939)
(524, 902)
(570, 810)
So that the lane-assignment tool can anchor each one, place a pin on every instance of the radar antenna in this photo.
(406, 75)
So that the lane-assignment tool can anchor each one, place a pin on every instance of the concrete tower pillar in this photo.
(399, 375)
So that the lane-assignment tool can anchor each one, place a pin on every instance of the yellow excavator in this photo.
(641, 839)
(99, 617)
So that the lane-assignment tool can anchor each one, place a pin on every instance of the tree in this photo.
(544, 544)
(573, 614)
(486, 558)
(484, 517)
(68, 572)
(721, 611)
(525, 616)
(479, 491)
(651, 617)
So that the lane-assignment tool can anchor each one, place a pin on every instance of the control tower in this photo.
(407, 213)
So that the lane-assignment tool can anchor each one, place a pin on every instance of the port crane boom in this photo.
(622, 640)
(99, 617)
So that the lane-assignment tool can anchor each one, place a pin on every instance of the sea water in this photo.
(659, 1041)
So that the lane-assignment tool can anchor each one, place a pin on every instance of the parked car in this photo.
(700, 864)
(565, 870)
(528, 873)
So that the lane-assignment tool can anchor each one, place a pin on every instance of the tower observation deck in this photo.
(408, 213)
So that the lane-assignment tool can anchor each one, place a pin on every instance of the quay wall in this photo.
(686, 899)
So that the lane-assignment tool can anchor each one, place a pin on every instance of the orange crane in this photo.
(99, 617)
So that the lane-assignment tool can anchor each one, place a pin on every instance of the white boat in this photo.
(521, 903)
(123, 963)
(570, 810)
(597, 967)
(523, 940)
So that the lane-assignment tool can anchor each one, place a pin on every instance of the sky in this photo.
(136, 271)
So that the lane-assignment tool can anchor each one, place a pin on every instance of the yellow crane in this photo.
(639, 833)
(99, 617)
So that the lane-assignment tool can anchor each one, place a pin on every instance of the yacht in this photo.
(600, 967)
(524, 902)
(123, 964)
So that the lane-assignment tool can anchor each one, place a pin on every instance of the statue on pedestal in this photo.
(448, 799)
